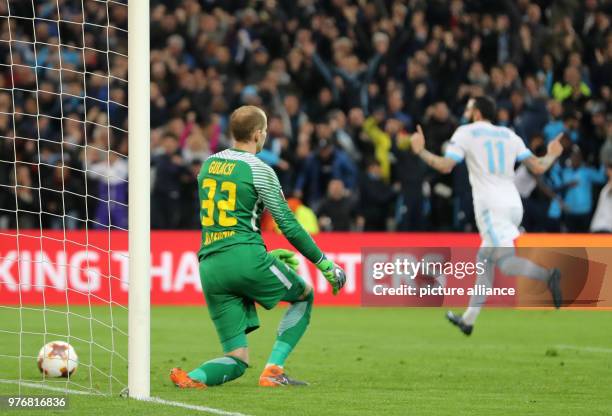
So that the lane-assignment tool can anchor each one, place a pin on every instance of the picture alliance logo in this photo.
(429, 277)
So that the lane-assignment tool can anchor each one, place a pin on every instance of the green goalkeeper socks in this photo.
(291, 329)
(280, 352)
(219, 371)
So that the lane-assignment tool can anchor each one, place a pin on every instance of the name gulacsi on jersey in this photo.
(234, 188)
(230, 206)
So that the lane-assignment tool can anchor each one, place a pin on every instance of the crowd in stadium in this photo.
(344, 84)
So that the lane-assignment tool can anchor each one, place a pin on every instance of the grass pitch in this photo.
(359, 361)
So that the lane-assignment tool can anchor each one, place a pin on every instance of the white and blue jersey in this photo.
(490, 153)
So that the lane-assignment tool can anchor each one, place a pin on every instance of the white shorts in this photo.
(498, 226)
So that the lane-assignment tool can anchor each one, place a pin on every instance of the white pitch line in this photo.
(50, 388)
(193, 407)
(587, 349)
(157, 400)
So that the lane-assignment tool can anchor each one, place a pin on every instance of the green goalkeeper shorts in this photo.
(235, 279)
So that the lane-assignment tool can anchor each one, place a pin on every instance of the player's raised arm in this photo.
(269, 189)
(443, 164)
(539, 165)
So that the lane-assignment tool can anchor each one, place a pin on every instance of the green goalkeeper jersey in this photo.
(234, 188)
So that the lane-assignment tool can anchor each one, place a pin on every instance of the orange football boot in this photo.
(181, 379)
(274, 376)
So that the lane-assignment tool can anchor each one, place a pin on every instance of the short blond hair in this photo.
(245, 121)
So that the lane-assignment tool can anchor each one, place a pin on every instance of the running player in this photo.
(491, 153)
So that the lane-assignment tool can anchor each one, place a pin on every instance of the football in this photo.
(57, 359)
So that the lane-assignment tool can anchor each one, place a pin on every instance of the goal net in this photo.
(64, 239)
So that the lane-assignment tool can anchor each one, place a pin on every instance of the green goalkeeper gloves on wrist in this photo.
(287, 257)
(331, 271)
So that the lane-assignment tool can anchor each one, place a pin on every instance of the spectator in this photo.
(569, 125)
(578, 181)
(25, 203)
(189, 197)
(409, 172)
(536, 193)
(395, 104)
(320, 168)
(167, 185)
(337, 210)
(595, 133)
(376, 198)
(556, 123)
(337, 120)
(573, 89)
(293, 118)
(381, 140)
(66, 208)
(276, 152)
(438, 127)
(111, 175)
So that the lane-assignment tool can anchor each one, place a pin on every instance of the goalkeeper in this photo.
(236, 270)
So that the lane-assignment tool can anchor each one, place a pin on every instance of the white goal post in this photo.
(139, 314)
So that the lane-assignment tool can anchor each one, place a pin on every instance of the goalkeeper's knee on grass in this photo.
(291, 329)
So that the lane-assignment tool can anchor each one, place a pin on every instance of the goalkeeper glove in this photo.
(287, 257)
(333, 273)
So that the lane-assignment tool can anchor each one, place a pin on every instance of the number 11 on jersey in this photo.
(499, 146)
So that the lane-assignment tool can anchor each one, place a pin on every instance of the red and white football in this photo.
(57, 359)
